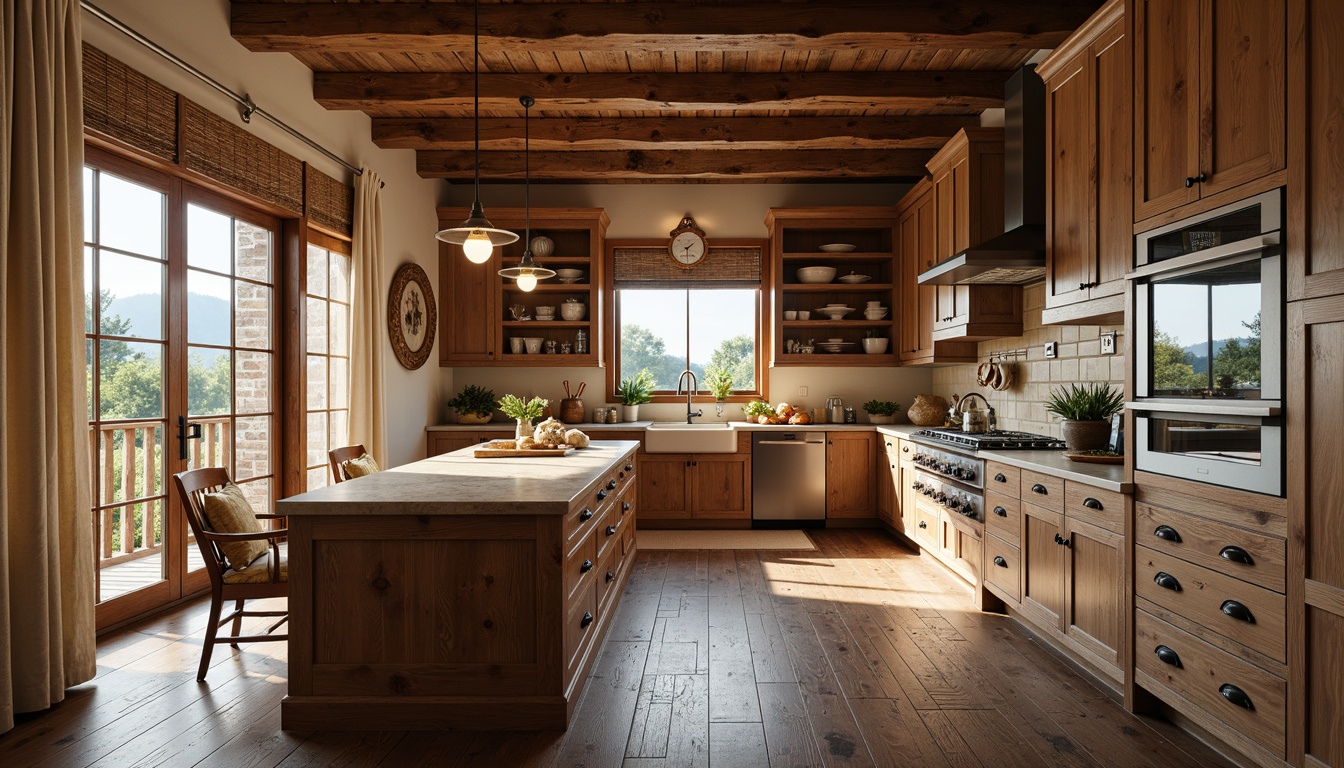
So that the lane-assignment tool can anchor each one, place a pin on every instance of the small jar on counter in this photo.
(613, 415)
(599, 415)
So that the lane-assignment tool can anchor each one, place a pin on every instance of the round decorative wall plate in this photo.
(411, 316)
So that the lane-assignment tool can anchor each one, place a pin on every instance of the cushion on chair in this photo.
(364, 465)
(228, 512)
(258, 571)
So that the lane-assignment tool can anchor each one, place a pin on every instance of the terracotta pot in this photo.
(1085, 435)
(927, 411)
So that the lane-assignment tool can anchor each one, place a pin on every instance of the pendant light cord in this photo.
(476, 91)
(527, 173)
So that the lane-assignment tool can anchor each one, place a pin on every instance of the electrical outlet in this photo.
(1051, 349)
(1108, 343)
(802, 391)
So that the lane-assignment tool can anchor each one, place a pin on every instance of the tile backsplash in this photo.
(1022, 406)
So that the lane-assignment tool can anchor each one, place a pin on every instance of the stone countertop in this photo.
(1110, 477)
(508, 426)
(458, 483)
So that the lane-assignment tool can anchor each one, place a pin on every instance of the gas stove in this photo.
(997, 440)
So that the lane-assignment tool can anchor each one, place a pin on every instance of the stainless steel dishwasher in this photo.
(788, 476)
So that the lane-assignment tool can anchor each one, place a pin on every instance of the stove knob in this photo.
(953, 503)
(942, 497)
(958, 472)
(968, 473)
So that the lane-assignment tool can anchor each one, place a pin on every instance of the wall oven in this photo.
(1208, 366)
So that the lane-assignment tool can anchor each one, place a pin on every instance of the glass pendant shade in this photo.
(528, 272)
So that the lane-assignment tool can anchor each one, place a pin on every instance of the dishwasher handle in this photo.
(789, 442)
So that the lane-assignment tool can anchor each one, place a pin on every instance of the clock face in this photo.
(688, 248)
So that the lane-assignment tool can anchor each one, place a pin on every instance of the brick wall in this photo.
(1021, 407)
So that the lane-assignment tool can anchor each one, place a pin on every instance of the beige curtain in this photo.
(368, 324)
(46, 538)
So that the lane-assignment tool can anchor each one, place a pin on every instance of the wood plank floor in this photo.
(860, 653)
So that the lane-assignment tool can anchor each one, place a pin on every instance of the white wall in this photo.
(722, 210)
(197, 31)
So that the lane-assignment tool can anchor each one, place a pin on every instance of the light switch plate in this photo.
(1051, 349)
(802, 391)
(1108, 343)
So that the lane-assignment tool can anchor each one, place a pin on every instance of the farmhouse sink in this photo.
(680, 437)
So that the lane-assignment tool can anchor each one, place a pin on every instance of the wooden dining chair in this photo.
(338, 458)
(266, 575)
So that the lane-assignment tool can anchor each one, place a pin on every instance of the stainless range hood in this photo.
(1017, 256)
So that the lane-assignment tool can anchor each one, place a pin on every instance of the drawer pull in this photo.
(1237, 555)
(586, 515)
(625, 506)
(601, 495)
(1092, 503)
(586, 566)
(611, 485)
(1059, 539)
(999, 478)
(923, 524)
(1041, 489)
(611, 530)
(1238, 611)
(1168, 656)
(999, 561)
(1167, 581)
(1167, 533)
(586, 620)
(629, 467)
(905, 449)
(1237, 696)
(610, 577)
(1000, 511)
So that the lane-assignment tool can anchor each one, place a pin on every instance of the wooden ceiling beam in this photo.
(662, 26)
(607, 133)
(680, 165)
(381, 93)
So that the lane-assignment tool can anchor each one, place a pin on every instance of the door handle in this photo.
(186, 430)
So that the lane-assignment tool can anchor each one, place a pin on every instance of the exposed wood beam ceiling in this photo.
(666, 91)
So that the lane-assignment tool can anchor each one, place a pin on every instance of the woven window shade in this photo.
(730, 266)
(124, 104)
(230, 155)
(330, 203)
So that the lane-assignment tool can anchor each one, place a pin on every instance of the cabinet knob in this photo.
(629, 467)
(1168, 656)
(1238, 611)
(586, 514)
(625, 506)
(1191, 181)
(602, 494)
(1167, 533)
(1082, 286)
(586, 566)
(1236, 554)
(1092, 503)
(1237, 696)
(611, 530)
(610, 577)
(586, 620)
(999, 561)
(923, 524)
(611, 485)
(1167, 581)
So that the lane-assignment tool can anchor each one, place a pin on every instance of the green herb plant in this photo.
(757, 408)
(719, 383)
(474, 400)
(515, 408)
(881, 407)
(637, 389)
(1088, 402)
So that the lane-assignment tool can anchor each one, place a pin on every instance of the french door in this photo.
(181, 343)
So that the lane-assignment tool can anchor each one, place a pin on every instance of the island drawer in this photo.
(608, 577)
(1103, 508)
(580, 628)
(1250, 615)
(890, 444)
(1003, 566)
(579, 566)
(580, 521)
(1003, 517)
(609, 530)
(1042, 490)
(1239, 694)
(1236, 552)
(1003, 479)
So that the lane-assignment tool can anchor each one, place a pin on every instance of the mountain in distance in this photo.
(1194, 354)
(209, 317)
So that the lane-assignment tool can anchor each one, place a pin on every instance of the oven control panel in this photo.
(954, 466)
(954, 497)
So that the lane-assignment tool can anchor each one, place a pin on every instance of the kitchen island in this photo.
(456, 592)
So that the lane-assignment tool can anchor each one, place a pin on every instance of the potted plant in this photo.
(524, 412)
(720, 385)
(1086, 410)
(475, 405)
(881, 411)
(634, 392)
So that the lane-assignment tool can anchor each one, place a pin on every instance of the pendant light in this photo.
(527, 273)
(477, 236)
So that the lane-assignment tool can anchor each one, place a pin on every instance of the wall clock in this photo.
(411, 316)
(688, 245)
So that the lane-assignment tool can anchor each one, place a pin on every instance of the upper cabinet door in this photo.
(1210, 80)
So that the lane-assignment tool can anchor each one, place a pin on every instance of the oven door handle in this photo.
(1263, 409)
(1200, 258)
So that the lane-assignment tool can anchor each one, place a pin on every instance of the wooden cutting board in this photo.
(486, 452)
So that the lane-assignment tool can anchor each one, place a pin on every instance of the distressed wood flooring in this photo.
(860, 653)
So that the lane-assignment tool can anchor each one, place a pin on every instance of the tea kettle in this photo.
(836, 408)
(974, 420)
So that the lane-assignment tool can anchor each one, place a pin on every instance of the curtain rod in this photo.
(249, 107)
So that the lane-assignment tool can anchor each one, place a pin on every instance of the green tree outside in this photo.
(737, 356)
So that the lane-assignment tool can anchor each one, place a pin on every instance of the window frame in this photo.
(341, 246)
(612, 323)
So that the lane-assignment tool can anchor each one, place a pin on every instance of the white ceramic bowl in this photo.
(516, 345)
(875, 346)
(834, 313)
(790, 314)
(837, 248)
(573, 310)
(545, 311)
(816, 274)
(568, 273)
(533, 345)
(853, 278)
(874, 314)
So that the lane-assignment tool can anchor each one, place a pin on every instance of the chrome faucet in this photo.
(695, 387)
(955, 413)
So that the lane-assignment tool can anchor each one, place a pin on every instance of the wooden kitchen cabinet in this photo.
(1094, 615)
(967, 178)
(664, 486)
(1042, 564)
(438, 442)
(476, 323)
(866, 273)
(850, 459)
(919, 303)
(703, 486)
(1089, 150)
(1210, 100)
